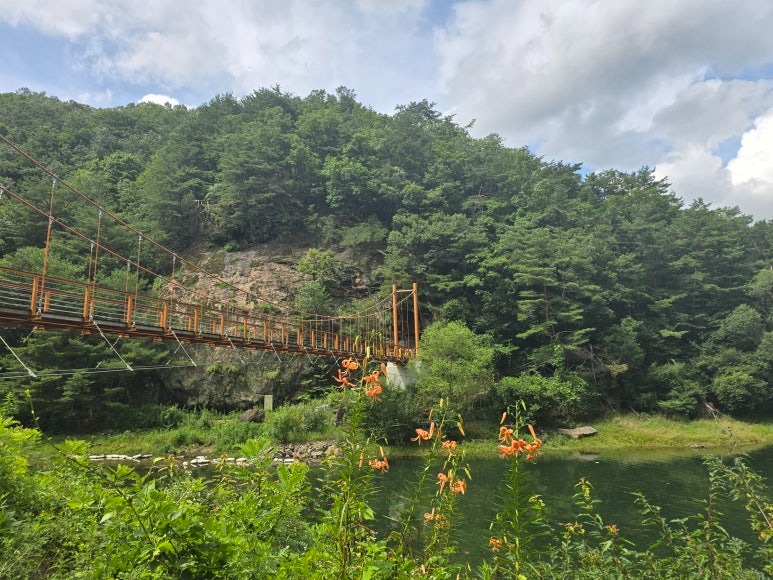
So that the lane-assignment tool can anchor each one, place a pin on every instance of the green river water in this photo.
(676, 481)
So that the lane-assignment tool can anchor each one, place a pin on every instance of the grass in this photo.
(205, 432)
(626, 433)
(658, 432)
(208, 433)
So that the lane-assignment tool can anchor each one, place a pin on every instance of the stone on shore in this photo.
(579, 432)
(253, 416)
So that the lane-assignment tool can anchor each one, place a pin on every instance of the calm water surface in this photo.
(678, 483)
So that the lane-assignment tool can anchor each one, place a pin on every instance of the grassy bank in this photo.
(655, 432)
(634, 432)
(208, 433)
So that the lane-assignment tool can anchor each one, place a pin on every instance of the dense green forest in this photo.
(578, 292)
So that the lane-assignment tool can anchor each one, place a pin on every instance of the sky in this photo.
(684, 87)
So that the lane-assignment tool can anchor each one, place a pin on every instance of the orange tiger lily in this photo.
(422, 435)
(372, 377)
(449, 446)
(350, 364)
(343, 380)
(380, 464)
(459, 486)
(512, 446)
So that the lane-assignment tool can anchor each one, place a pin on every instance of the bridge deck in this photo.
(54, 304)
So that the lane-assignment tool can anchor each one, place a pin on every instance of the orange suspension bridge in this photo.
(159, 302)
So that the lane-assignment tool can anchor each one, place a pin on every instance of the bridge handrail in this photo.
(60, 302)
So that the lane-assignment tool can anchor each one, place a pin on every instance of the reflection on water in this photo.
(677, 483)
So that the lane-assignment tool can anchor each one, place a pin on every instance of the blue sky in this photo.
(685, 87)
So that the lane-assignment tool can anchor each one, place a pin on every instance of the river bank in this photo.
(223, 435)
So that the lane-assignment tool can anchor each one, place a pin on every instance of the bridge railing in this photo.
(51, 302)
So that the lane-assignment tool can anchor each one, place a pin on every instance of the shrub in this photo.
(738, 391)
(393, 418)
(292, 423)
(549, 399)
(187, 437)
(232, 434)
(455, 364)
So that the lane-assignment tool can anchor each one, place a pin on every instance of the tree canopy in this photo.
(653, 303)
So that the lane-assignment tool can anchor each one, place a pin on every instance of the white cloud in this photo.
(694, 168)
(71, 19)
(751, 172)
(754, 162)
(746, 181)
(711, 111)
(211, 46)
(615, 84)
(98, 99)
(159, 99)
(610, 84)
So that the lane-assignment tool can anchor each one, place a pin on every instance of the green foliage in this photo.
(737, 390)
(549, 400)
(611, 267)
(231, 435)
(742, 484)
(320, 265)
(454, 364)
(293, 423)
(741, 329)
(682, 391)
(393, 419)
(73, 518)
(15, 489)
(313, 296)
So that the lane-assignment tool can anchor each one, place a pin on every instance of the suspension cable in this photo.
(26, 368)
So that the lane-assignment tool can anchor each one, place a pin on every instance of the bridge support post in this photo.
(129, 310)
(395, 336)
(86, 300)
(416, 317)
(163, 322)
(34, 295)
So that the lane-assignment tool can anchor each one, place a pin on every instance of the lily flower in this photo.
(343, 380)
(372, 377)
(350, 364)
(380, 464)
(422, 435)
(442, 480)
(449, 446)
(459, 486)
(374, 390)
(512, 446)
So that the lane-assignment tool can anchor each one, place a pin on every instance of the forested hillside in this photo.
(582, 292)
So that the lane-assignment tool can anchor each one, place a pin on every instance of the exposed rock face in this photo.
(579, 432)
(225, 378)
(268, 270)
(313, 451)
